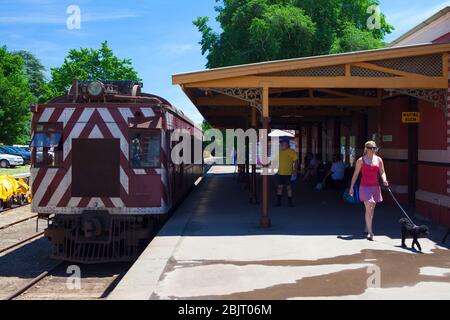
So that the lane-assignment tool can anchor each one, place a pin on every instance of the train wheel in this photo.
(9, 203)
(2, 205)
(21, 199)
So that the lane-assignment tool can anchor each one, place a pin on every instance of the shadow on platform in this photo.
(220, 206)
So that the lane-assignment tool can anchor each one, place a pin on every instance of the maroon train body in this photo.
(101, 169)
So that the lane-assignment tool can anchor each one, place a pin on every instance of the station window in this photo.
(145, 148)
(48, 145)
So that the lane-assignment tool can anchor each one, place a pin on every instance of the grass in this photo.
(14, 171)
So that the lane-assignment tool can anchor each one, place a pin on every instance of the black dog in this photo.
(409, 230)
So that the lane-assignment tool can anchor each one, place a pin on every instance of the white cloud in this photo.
(118, 16)
(61, 19)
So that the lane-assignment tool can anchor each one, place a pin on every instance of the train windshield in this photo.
(46, 140)
(48, 149)
(145, 148)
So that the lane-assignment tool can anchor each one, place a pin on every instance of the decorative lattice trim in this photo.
(252, 95)
(437, 97)
(431, 65)
(363, 72)
(329, 71)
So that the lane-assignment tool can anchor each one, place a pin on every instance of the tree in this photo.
(205, 126)
(264, 30)
(88, 65)
(354, 39)
(34, 71)
(281, 32)
(15, 99)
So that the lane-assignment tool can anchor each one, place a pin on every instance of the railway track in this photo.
(4, 210)
(32, 283)
(18, 244)
(96, 282)
(16, 223)
(37, 276)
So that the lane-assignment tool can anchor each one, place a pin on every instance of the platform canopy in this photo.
(312, 88)
(290, 94)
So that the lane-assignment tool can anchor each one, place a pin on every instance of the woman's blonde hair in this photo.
(372, 144)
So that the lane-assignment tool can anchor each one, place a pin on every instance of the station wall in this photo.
(433, 197)
(393, 142)
(430, 150)
(432, 168)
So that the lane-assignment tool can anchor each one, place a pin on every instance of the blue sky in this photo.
(157, 35)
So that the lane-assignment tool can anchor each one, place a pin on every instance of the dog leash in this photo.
(401, 208)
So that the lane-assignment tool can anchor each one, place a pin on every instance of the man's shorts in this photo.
(284, 180)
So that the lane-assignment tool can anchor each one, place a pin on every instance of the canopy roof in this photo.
(316, 87)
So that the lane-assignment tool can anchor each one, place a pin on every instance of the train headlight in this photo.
(95, 88)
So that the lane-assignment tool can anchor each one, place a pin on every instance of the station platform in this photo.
(213, 248)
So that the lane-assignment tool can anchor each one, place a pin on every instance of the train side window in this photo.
(145, 148)
(48, 146)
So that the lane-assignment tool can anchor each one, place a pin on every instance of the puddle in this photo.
(398, 270)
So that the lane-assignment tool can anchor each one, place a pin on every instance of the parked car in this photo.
(7, 160)
(26, 155)
(22, 147)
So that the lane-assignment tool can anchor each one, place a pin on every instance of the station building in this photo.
(397, 96)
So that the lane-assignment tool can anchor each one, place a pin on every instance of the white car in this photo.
(7, 160)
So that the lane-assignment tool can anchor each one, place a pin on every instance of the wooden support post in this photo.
(265, 219)
(413, 154)
(253, 196)
(337, 137)
(319, 142)
(309, 139)
(247, 165)
(298, 140)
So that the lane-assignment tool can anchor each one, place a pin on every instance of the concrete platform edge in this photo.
(141, 280)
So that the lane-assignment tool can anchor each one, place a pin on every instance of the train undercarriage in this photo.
(98, 237)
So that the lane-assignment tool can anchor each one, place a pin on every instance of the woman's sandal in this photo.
(370, 237)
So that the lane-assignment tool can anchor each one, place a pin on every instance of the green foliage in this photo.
(282, 32)
(22, 83)
(15, 99)
(89, 64)
(263, 30)
(205, 126)
(354, 39)
(34, 71)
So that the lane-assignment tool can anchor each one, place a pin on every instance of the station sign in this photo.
(411, 117)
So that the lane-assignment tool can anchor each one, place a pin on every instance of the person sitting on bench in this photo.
(313, 167)
(335, 174)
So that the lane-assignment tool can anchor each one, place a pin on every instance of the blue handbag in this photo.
(352, 199)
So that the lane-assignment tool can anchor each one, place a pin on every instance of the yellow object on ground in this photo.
(13, 191)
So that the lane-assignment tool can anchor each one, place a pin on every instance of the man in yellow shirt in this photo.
(287, 171)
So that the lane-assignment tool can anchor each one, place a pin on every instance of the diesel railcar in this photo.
(102, 171)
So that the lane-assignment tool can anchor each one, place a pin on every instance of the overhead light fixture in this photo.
(95, 88)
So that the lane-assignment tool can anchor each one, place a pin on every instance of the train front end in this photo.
(99, 159)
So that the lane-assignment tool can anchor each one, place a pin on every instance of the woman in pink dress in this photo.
(370, 165)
